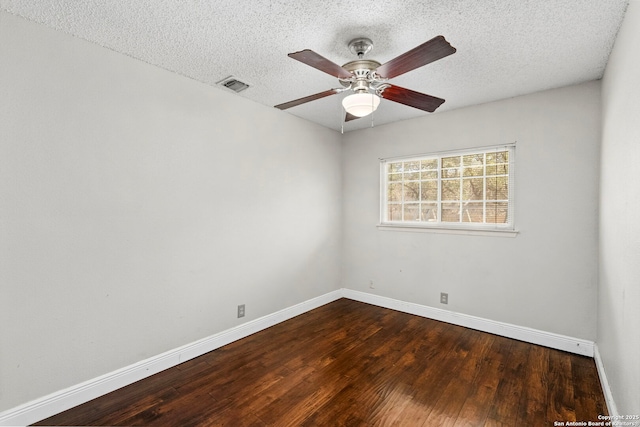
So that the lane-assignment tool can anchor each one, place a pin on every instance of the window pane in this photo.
(472, 189)
(497, 212)
(450, 189)
(411, 170)
(411, 176)
(473, 171)
(451, 162)
(501, 169)
(394, 212)
(473, 159)
(497, 188)
(429, 212)
(411, 191)
(412, 212)
(429, 164)
(394, 193)
(450, 173)
(503, 188)
(395, 177)
(497, 157)
(492, 188)
(429, 190)
(429, 175)
(451, 212)
(412, 166)
(395, 167)
(472, 212)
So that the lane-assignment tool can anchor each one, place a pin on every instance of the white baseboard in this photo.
(608, 397)
(62, 400)
(534, 336)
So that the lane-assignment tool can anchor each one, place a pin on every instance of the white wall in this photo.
(619, 293)
(546, 277)
(138, 208)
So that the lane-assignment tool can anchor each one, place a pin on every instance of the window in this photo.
(469, 190)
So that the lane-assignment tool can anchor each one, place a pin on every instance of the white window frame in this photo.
(507, 229)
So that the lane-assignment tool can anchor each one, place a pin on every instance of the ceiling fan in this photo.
(368, 79)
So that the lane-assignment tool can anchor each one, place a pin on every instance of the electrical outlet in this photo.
(444, 298)
(241, 310)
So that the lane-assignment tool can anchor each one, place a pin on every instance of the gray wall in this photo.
(138, 208)
(545, 277)
(619, 293)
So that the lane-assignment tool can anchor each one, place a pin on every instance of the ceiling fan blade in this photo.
(321, 63)
(412, 98)
(348, 117)
(293, 103)
(434, 49)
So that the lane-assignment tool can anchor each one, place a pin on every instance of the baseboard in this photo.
(62, 400)
(534, 336)
(608, 397)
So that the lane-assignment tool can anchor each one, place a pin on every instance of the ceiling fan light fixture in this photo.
(361, 104)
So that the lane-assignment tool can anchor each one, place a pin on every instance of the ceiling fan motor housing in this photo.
(363, 74)
(364, 78)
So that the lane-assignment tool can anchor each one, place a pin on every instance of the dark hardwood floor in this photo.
(354, 364)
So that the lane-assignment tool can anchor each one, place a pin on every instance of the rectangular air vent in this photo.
(233, 84)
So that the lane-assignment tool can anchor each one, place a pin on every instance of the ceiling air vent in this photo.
(233, 84)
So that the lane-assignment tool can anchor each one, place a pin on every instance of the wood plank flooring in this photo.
(353, 364)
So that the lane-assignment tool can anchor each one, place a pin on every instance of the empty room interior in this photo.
(434, 226)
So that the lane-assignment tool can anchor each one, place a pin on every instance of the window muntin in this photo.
(470, 189)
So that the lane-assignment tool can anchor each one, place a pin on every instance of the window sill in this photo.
(445, 230)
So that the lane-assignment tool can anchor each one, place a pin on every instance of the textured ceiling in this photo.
(504, 48)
